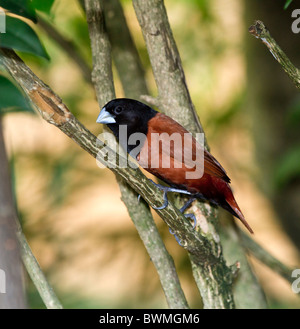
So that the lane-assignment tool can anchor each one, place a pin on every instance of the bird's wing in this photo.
(165, 127)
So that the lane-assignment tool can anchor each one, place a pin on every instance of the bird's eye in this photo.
(118, 109)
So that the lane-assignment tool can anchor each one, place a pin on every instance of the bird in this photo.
(146, 130)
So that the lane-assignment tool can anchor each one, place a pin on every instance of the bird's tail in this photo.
(231, 205)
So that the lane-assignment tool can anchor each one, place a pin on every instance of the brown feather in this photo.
(163, 124)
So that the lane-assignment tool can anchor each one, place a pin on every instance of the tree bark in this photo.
(12, 274)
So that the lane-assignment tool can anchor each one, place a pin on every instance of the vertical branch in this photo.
(10, 258)
(175, 100)
(124, 52)
(174, 97)
(139, 212)
(247, 290)
(163, 262)
(102, 76)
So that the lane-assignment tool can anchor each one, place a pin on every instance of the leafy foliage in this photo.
(11, 98)
(22, 8)
(19, 35)
(27, 8)
(44, 6)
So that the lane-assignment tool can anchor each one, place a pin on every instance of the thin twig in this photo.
(266, 258)
(102, 76)
(259, 30)
(36, 274)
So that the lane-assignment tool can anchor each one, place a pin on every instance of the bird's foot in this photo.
(167, 189)
(192, 216)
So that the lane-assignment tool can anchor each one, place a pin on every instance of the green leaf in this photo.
(44, 5)
(287, 3)
(20, 7)
(11, 98)
(20, 36)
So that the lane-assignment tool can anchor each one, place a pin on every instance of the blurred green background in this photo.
(71, 211)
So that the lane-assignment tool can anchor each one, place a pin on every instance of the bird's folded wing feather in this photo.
(165, 127)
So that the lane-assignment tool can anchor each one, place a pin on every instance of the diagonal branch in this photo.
(259, 31)
(36, 274)
(267, 259)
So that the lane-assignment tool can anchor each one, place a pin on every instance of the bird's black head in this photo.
(126, 112)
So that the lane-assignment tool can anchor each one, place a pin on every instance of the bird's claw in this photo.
(176, 237)
(167, 189)
(192, 216)
(165, 204)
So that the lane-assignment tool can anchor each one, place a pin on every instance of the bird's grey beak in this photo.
(105, 117)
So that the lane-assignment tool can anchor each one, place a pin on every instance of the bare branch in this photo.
(102, 76)
(36, 274)
(124, 52)
(166, 63)
(267, 259)
(10, 258)
(259, 30)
